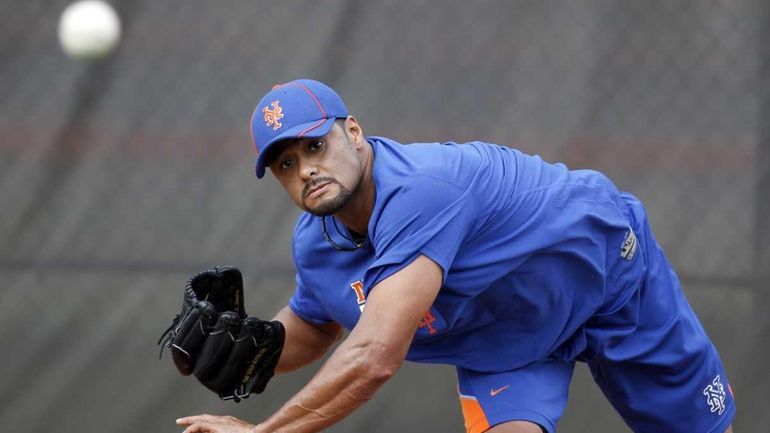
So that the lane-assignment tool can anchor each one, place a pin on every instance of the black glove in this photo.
(212, 337)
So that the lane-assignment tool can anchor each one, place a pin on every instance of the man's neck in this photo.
(357, 212)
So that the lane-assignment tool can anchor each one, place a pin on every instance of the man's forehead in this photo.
(284, 145)
(279, 147)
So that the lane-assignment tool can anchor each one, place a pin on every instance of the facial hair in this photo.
(331, 205)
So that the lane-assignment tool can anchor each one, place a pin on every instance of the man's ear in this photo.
(353, 129)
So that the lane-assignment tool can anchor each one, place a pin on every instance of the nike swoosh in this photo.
(494, 392)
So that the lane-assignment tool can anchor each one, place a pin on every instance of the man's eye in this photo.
(315, 145)
(286, 163)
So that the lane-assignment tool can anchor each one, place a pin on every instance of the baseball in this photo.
(89, 29)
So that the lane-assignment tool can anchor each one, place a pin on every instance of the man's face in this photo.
(321, 174)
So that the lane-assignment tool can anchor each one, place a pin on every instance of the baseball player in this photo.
(475, 255)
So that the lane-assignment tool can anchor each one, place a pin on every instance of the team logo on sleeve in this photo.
(358, 287)
(427, 322)
(715, 395)
(272, 116)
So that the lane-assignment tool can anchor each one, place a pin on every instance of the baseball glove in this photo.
(212, 337)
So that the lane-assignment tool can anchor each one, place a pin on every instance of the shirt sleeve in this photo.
(306, 305)
(424, 216)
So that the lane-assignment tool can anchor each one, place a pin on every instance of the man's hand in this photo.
(214, 424)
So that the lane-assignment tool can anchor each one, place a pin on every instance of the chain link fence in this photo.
(121, 177)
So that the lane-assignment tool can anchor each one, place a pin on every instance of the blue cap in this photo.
(299, 108)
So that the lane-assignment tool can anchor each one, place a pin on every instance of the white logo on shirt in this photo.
(715, 395)
(628, 248)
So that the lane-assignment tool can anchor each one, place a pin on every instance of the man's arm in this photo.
(372, 353)
(305, 342)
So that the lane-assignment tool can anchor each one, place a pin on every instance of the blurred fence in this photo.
(119, 178)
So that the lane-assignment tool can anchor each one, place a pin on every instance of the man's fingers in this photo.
(192, 429)
(213, 424)
(187, 420)
(201, 427)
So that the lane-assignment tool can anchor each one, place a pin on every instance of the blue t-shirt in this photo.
(529, 251)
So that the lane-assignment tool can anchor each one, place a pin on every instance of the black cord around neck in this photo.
(356, 243)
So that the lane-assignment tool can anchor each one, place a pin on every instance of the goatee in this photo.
(330, 206)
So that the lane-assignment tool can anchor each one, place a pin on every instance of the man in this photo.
(478, 256)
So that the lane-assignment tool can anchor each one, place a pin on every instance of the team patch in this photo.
(358, 288)
(715, 395)
(272, 116)
(628, 248)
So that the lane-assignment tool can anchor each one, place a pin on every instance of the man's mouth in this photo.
(316, 189)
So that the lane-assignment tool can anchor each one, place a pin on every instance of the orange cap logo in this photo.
(272, 116)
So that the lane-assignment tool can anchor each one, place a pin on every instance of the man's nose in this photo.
(308, 170)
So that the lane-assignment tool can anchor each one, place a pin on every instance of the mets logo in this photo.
(715, 395)
(358, 287)
(425, 323)
(272, 116)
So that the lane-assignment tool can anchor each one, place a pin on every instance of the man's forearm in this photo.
(372, 353)
(349, 378)
(305, 342)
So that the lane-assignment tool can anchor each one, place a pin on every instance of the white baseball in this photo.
(89, 29)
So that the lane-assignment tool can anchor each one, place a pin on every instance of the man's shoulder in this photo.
(306, 232)
(308, 244)
(398, 165)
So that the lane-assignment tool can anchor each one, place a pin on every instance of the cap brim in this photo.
(318, 128)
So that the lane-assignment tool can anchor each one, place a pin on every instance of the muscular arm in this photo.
(305, 342)
(371, 354)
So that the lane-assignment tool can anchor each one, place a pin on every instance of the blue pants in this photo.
(651, 358)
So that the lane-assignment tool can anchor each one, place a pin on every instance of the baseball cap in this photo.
(299, 108)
